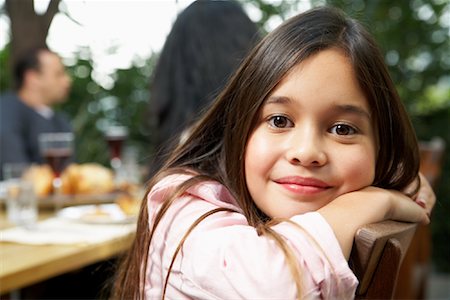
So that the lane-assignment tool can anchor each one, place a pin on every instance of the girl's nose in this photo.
(307, 150)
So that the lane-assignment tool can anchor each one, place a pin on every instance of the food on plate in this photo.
(128, 204)
(41, 176)
(95, 214)
(87, 178)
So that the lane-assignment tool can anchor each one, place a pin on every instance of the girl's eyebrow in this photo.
(278, 100)
(353, 109)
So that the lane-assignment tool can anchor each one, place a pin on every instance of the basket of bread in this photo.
(88, 183)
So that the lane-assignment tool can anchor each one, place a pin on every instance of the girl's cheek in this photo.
(364, 172)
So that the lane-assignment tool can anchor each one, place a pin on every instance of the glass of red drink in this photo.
(57, 149)
(115, 137)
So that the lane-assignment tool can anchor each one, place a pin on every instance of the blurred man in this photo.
(42, 82)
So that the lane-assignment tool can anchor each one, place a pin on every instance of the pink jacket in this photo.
(224, 258)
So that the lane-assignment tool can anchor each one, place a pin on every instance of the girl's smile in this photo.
(314, 139)
(302, 185)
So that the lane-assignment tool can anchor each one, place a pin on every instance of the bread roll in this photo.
(87, 178)
(69, 179)
(41, 176)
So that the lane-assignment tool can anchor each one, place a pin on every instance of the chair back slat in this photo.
(378, 247)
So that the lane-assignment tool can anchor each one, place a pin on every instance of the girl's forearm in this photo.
(350, 211)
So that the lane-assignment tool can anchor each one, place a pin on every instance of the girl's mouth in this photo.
(302, 185)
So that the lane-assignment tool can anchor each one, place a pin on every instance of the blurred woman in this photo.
(206, 44)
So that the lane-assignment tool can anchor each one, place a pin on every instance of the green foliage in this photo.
(83, 99)
(93, 108)
(270, 10)
(5, 74)
(414, 35)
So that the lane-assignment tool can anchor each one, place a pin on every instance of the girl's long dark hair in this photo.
(216, 147)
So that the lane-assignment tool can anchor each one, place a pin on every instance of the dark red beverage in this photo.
(57, 159)
(115, 145)
(115, 136)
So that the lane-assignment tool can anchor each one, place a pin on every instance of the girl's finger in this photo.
(421, 202)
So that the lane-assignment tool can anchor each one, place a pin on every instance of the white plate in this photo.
(96, 214)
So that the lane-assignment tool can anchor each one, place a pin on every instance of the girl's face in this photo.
(314, 139)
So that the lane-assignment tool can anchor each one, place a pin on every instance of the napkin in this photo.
(60, 231)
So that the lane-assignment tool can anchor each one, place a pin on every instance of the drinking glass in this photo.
(115, 137)
(56, 148)
(21, 202)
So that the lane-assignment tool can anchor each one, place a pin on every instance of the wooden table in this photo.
(22, 265)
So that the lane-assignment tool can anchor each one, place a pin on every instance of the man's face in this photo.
(53, 82)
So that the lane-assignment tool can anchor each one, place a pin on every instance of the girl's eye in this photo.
(280, 122)
(343, 129)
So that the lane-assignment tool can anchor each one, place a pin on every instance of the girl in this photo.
(264, 198)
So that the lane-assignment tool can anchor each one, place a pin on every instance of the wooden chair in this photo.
(376, 257)
(415, 269)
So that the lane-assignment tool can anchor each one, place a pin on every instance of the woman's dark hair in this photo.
(207, 43)
(216, 146)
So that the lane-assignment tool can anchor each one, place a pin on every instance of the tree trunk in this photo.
(28, 29)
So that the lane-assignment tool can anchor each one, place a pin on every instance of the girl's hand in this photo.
(403, 209)
(425, 197)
